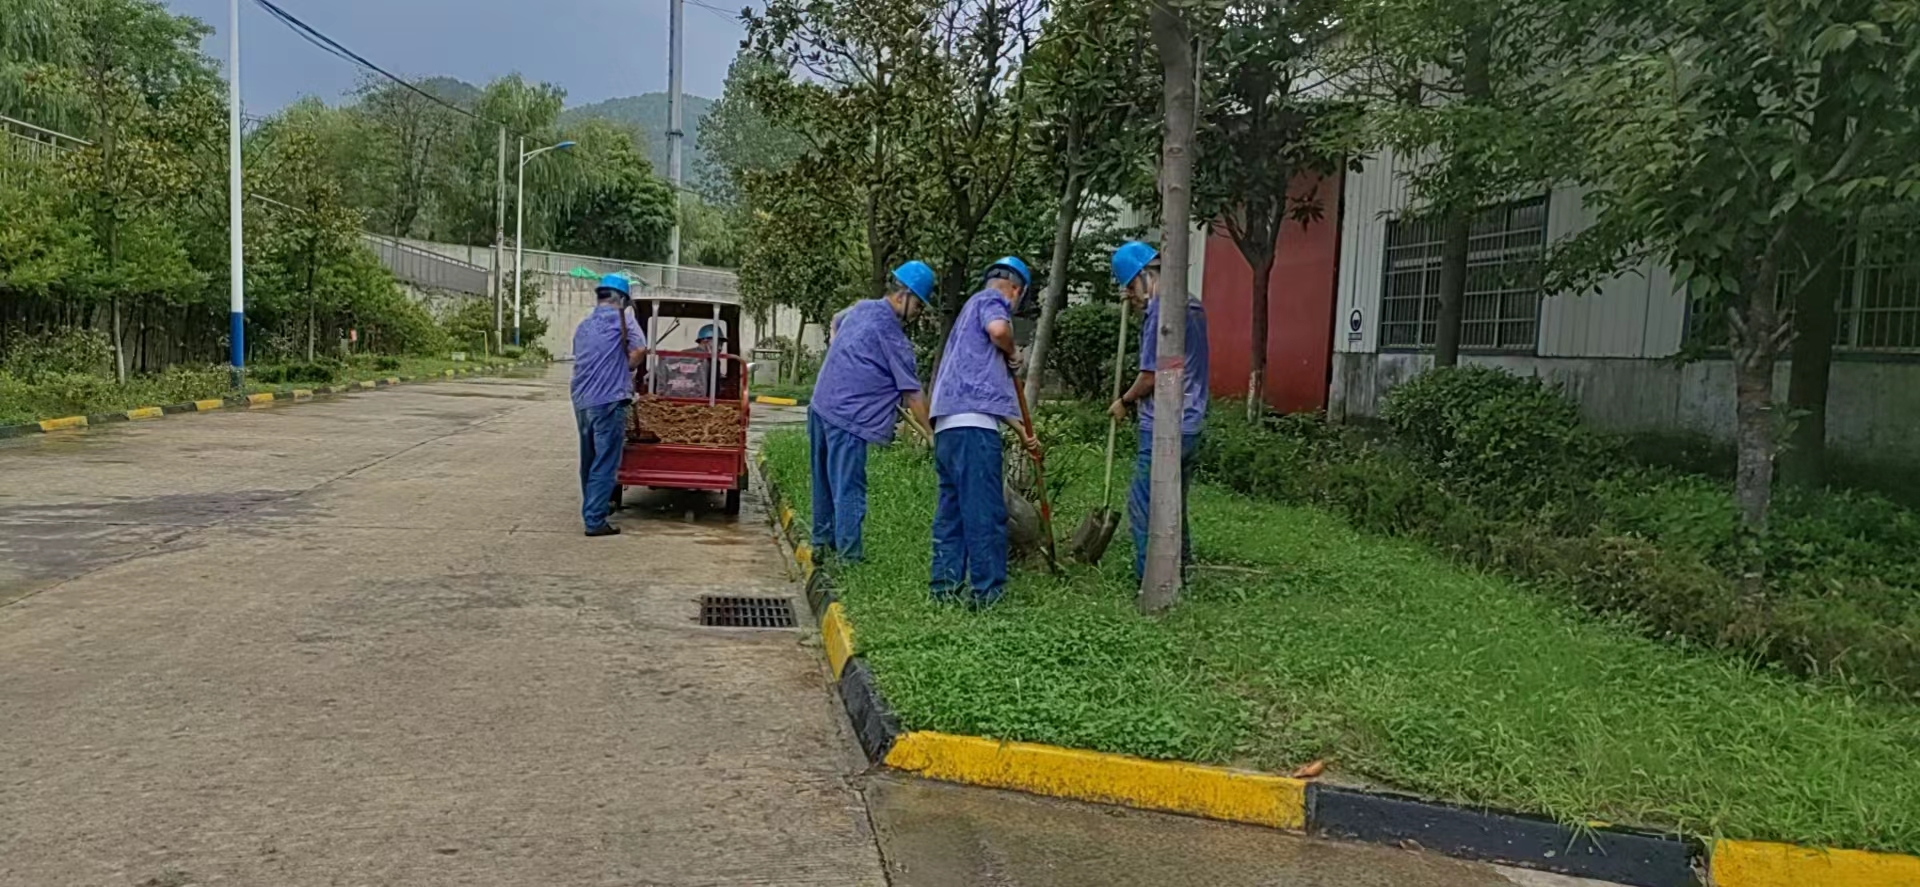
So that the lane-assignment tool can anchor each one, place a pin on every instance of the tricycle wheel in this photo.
(733, 501)
(619, 493)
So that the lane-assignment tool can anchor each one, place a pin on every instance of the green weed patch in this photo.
(1305, 638)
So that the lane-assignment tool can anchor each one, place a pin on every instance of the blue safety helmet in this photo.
(613, 282)
(1013, 263)
(917, 277)
(706, 332)
(1130, 259)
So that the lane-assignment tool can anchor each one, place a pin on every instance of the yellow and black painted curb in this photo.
(1596, 850)
(264, 398)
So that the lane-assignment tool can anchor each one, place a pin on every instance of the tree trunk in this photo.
(1754, 333)
(1815, 311)
(1476, 87)
(1815, 316)
(119, 344)
(1257, 356)
(1454, 235)
(1056, 296)
(1160, 586)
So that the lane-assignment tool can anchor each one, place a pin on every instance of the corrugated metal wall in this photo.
(1634, 315)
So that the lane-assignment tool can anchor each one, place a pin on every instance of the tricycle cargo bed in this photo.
(680, 467)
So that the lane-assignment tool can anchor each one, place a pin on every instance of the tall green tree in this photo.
(613, 204)
(1094, 91)
(1719, 132)
(1259, 130)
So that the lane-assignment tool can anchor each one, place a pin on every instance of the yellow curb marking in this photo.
(1763, 864)
(145, 413)
(209, 404)
(302, 394)
(63, 423)
(258, 399)
(1209, 792)
(803, 555)
(836, 634)
(786, 517)
(777, 401)
(393, 380)
(368, 383)
(449, 372)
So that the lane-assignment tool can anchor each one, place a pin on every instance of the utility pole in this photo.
(674, 64)
(236, 255)
(519, 231)
(499, 234)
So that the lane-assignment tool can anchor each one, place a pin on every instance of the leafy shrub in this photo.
(386, 364)
(1515, 438)
(1842, 591)
(301, 372)
(64, 352)
(1082, 352)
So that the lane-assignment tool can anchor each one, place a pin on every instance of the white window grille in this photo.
(1501, 311)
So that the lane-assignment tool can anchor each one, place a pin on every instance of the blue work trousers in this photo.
(970, 523)
(839, 462)
(1138, 497)
(603, 436)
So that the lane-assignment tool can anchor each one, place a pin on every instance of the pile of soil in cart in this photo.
(697, 424)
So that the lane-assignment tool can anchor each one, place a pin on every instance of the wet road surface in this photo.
(362, 641)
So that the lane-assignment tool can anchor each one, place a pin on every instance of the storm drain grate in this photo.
(746, 612)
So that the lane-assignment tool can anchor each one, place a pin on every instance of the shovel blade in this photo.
(1090, 539)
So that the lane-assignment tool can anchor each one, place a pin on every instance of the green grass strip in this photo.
(1302, 638)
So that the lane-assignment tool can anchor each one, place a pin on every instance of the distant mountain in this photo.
(450, 89)
(649, 112)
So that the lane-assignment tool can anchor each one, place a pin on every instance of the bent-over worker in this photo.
(972, 396)
(607, 345)
(1136, 268)
(868, 372)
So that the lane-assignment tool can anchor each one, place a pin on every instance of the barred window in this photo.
(1879, 307)
(1879, 300)
(1501, 311)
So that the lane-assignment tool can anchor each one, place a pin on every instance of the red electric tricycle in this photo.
(688, 426)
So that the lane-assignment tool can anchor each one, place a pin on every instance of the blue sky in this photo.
(595, 49)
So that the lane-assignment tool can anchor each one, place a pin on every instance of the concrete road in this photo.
(362, 642)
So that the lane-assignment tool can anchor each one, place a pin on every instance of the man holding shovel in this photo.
(869, 371)
(973, 394)
(1136, 268)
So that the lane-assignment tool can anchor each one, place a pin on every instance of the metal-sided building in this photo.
(1613, 350)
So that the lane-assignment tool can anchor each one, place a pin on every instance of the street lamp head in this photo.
(564, 146)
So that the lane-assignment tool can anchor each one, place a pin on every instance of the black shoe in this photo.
(604, 530)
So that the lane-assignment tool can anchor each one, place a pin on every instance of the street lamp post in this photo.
(519, 224)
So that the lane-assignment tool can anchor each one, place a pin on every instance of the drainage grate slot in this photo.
(746, 612)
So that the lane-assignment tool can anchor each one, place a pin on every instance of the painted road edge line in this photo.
(1195, 790)
(1766, 864)
(836, 634)
(67, 423)
(63, 423)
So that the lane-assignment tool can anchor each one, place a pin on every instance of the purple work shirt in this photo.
(973, 375)
(1193, 399)
(867, 369)
(600, 373)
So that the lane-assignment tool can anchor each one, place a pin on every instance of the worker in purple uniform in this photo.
(972, 396)
(1136, 268)
(869, 370)
(607, 345)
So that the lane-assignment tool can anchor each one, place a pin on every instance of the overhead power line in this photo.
(732, 15)
(333, 47)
